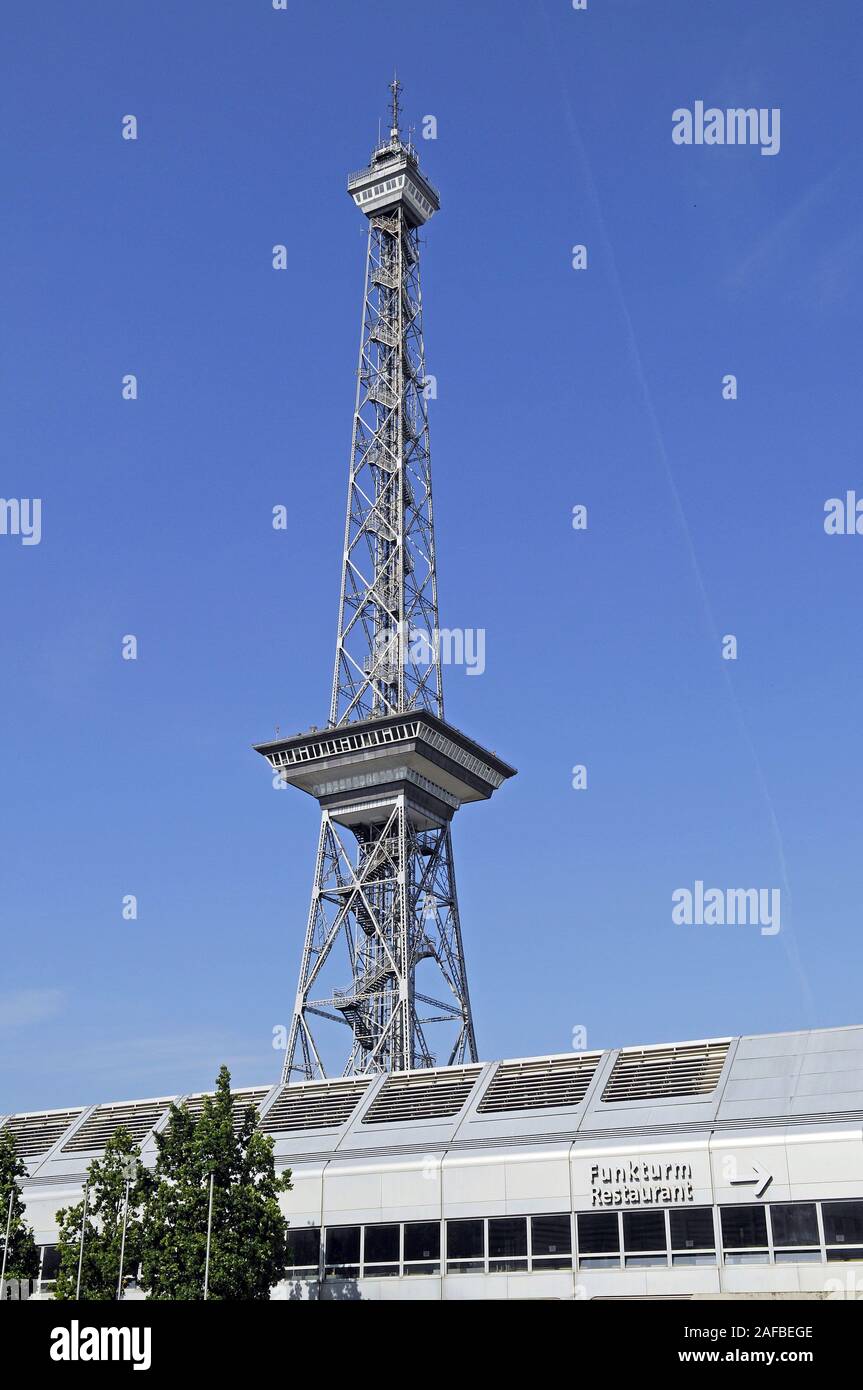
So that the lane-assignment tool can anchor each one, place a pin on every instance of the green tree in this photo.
(248, 1242)
(103, 1234)
(22, 1257)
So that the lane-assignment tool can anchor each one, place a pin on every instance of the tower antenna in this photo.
(395, 88)
(383, 981)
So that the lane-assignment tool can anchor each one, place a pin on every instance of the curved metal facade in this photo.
(737, 1162)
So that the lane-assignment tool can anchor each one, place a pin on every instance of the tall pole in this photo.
(209, 1233)
(81, 1251)
(123, 1242)
(6, 1242)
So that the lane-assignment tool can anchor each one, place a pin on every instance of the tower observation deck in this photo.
(383, 956)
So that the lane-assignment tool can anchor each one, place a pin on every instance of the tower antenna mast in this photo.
(395, 124)
(383, 981)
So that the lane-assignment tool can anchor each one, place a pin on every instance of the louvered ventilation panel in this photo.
(658, 1073)
(138, 1118)
(314, 1106)
(538, 1084)
(242, 1099)
(432, 1096)
(36, 1134)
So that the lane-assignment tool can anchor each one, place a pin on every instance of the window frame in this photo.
(746, 1254)
(600, 1259)
(297, 1271)
(382, 1269)
(837, 1248)
(646, 1259)
(786, 1254)
(414, 1268)
(331, 1269)
(700, 1255)
(507, 1264)
(467, 1264)
(549, 1263)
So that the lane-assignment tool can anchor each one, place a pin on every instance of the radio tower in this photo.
(383, 953)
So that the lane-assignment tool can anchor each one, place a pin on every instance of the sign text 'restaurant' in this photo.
(641, 1183)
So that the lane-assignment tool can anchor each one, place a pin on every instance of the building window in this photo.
(304, 1252)
(507, 1244)
(605, 1239)
(598, 1240)
(644, 1240)
(551, 1242)
(744, 1235)
(843, 1230)
(422, 1247)
(465, 1246)
(50, 1265)
(692, 1238)
(343, 1251)
(795, 1227)
(381, 1251)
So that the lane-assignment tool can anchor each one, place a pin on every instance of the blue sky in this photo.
(555, 387)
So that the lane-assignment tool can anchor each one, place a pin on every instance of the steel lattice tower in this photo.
(388, 772)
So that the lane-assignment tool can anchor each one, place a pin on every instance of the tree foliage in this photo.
(103, 1232)
(248, 1240)
(22, 1257)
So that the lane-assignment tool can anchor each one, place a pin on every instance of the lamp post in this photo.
(6, 1241)
(209, 1234)
(130, 1174)
(81, 1251)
